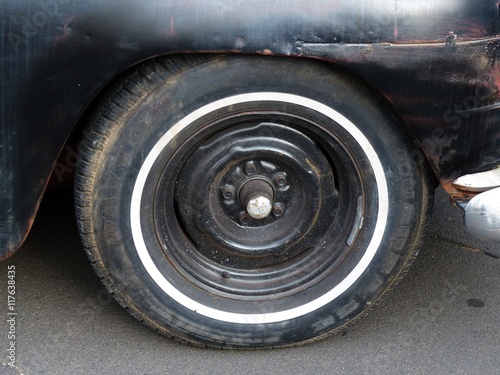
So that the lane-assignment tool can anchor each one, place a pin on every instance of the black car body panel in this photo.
(434, 61)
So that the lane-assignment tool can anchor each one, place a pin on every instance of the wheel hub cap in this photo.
(256, 196)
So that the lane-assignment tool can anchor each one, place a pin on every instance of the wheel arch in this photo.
(75, 132)
(61, 170)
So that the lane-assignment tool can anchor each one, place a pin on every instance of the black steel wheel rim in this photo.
(197, 205)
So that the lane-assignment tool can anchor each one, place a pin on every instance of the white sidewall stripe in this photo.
(259, 318)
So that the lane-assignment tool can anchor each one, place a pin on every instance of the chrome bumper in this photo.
(482, 215)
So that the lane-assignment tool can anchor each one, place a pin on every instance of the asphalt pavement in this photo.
(444, 317)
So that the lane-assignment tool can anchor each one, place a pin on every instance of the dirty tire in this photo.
(246, 202)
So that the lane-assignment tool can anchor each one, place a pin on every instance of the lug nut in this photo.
(280, 179)
(227, 192)
(278, 209)
(244, 219)
(250, 167)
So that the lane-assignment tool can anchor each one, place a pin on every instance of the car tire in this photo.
(245, 202)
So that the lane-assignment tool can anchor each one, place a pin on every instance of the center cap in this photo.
(259, 207)
(257, 197)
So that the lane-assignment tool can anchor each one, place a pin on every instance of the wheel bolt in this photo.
(278, 209)
(280, 179)
(244, 219)
(250, 167)
(228, 192)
